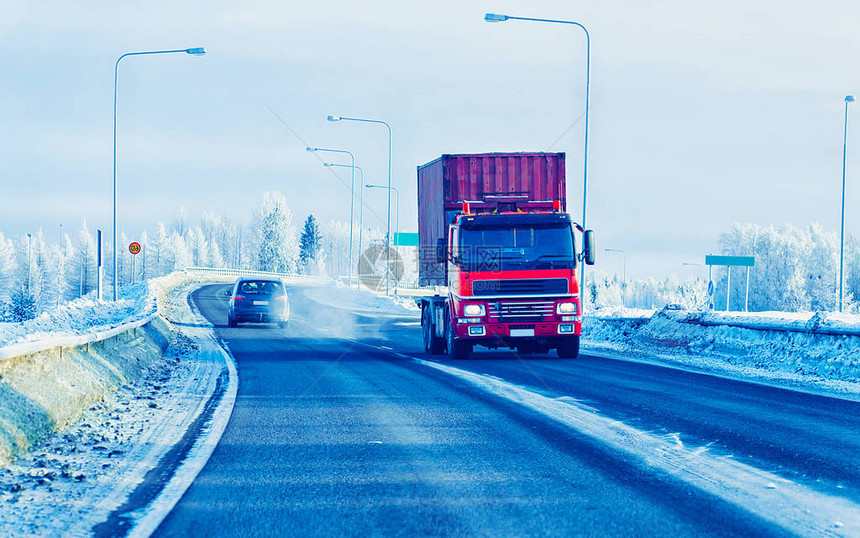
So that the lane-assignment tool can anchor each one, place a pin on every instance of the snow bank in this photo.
(94, 477)
(46, 383)
(813, 350)
(45, 392)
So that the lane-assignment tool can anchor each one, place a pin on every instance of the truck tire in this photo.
(457, 349)
(568, 348)
(432, 344)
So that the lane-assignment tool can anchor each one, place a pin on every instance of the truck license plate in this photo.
(522, 332)
(260, 302)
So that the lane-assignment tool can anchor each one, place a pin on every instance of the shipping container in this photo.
(445, 183)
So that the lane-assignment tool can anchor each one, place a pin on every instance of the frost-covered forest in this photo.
(36, 275)
(796, 269)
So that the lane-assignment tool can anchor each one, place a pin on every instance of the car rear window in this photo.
(261, 287)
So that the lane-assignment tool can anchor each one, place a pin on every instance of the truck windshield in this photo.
(517, 248)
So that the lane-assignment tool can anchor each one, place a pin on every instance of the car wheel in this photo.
(231, 322)
(283, 324)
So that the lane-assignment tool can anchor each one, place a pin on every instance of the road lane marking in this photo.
(150, 517)
(783, 502)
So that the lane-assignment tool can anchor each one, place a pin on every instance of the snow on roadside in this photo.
(363, 300)
(88, 315)
(75, 478)
(813, 351)
(82, 316)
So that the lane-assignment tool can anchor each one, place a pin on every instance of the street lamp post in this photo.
(351, 199)
(396, 203)
(624, 270)
(196, 51)
(691, 264)
(360, 198)
(388, 218)
(848, 99)
(492, 17)
(624, 261)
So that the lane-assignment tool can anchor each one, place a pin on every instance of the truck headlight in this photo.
(565, 308)
(474, 310)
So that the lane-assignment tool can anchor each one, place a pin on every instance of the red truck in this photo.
(493, 229)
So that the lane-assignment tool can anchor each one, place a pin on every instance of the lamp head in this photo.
(327, 164)
(196, 51)
(333, 118)
(849, 98)
(310, 149)
(492, 17)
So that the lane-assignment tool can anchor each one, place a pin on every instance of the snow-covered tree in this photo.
(29, 275)
(276, 247)
(82, 269)
(159, 247)
(310, 246)
(21, 306)
(180, 225)
(7, 266)
(144, 263)
(176, 255)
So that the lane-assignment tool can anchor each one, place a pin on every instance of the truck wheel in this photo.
(568, 348)
(457, 349)
(432, 344)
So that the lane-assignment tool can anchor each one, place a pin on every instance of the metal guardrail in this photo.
(815, 325)
(356, 281)
(29, 348)
(287, 277)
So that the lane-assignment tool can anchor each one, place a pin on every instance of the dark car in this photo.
(258, 300)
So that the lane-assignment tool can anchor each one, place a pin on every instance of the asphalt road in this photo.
(336, 431)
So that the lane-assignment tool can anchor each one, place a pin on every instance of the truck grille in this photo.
(520, 311)
(524, 286)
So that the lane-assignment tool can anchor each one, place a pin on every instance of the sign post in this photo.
(729, 262)
(134, 248)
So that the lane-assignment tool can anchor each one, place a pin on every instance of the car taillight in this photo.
(238, 298)
(282, 299)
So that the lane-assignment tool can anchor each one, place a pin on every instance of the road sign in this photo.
(406, 239)
(134, 248)
(729, 262)
(737, 261)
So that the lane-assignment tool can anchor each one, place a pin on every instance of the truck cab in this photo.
(512, 281)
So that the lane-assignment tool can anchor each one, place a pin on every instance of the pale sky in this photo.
(703, 113)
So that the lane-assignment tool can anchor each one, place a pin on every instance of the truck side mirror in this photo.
(441, 247)
(588, 247)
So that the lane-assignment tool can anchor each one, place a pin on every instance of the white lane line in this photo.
(152, 516)
(790, 505)
(796, 508)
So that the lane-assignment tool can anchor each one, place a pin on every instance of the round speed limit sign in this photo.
(134, 248)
